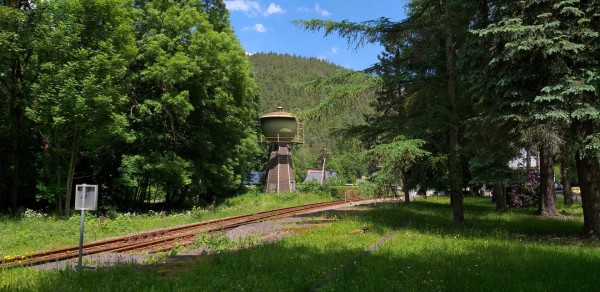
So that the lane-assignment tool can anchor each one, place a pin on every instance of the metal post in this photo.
(81, 227)
(278, 161)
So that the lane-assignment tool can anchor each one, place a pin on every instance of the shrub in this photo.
(341, 192)
(312, 186)
(198, 213)
(367, 189)
(516, 197)
(31, 214)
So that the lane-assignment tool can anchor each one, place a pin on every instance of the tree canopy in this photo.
(133, 96)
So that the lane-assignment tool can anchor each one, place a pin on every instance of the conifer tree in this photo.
(545, 64)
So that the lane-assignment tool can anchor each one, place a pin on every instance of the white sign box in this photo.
(86, 197)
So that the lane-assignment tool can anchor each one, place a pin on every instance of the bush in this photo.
(31, 214)
(198, 213)
(367, 189)
(341, 192)
(312, 186)
(517, 197)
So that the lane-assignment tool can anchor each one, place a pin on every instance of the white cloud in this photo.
(257, 28)
(273, 9)
(335, 50)
(250, 8)
(304, 9)
(323, 12)
(260, 28)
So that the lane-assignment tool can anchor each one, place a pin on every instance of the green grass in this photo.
(35, 231)
(509, 251)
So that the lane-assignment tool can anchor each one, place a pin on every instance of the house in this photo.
(254, 178)
(317, 174)
(520, 161)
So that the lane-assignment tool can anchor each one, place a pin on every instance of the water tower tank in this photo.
(279, 127)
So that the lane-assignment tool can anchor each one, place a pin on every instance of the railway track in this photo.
(163, 239)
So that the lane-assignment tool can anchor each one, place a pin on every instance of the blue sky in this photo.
(265, 26)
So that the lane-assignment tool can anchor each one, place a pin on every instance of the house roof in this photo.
(317, 174)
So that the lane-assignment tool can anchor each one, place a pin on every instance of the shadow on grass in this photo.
(427, 214)
(394, 267)
(434, 215)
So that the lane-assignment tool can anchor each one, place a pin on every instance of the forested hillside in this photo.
(282, 81)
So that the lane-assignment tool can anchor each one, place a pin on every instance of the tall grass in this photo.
(509, 251)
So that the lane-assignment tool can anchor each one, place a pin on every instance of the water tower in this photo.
(280, 131)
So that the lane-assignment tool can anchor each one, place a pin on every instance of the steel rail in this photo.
(164, 244)
(165, 236)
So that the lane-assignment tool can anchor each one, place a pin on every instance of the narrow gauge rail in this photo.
(163, 239)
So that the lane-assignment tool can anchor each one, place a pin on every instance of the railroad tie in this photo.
(366, 252)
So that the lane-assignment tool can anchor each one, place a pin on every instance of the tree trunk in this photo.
(16, 118)
(588, 172)
(455, 192)
(2, 181)
(15, 165)
(71, 172)
(500, 192)
(547, 201)
(59, 202)
(565, 175)
(406, 194)
(181, 195)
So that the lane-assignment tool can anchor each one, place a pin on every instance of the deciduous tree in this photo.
(80, 90)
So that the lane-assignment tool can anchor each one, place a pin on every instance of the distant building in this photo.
(317, 174)
(254, 178)
(521, 160)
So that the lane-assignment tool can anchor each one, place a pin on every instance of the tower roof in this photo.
(279, 114)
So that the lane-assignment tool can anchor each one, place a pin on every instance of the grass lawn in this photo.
(510, 251)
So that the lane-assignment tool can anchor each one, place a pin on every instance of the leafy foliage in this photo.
(394, 161)
(133, 96)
